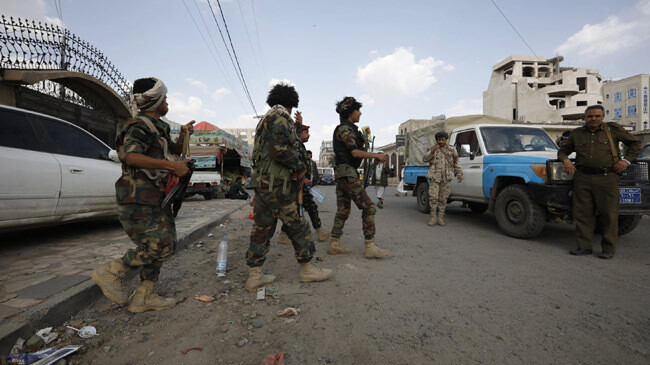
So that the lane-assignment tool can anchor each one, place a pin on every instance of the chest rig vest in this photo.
(266, 168)
(342, 155)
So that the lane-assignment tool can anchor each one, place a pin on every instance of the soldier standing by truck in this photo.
(277, 174)
(596, 182)
(443, 165)
(349, 152)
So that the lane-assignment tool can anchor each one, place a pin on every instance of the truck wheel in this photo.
(517, 213)
(477, 207)
(627, 223)
(207, 196)
(422, 194)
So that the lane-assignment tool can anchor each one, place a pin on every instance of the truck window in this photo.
(469, 138)
(516, 139)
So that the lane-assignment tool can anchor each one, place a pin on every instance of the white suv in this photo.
(52, 171)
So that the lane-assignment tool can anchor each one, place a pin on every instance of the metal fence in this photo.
(29, 45)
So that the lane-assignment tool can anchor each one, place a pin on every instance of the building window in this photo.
(617, 96)
(617, 112)
(607, 96)
(607, 112)
(645, 125)
(631, 110)
(631, 93)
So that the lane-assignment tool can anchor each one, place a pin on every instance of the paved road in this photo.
(463, 293)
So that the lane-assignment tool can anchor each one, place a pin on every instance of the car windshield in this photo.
(645, 152)
(516, 139)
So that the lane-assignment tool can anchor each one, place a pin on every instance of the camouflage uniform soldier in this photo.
(349, 151)
(277, 166)
(308, 200)
(595, 185)
(443, 165)
(148, 158)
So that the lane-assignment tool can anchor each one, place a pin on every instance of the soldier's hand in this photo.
(188, 128)
(306, 181)
(381, 157)
(460, 178)
(180, 168)
(569, 168)
(298, 117)
(621, 166)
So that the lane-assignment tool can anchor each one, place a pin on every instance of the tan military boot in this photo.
(109, 279)
(284, 239)
(322, 234)
(146, 299)
(309, 272)
(441, 214)
(336, 248)
(257, 280)
(373, 251)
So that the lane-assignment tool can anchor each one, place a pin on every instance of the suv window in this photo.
(72, 141)
(17, 132)
(470, 139)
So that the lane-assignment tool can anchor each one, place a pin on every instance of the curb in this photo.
(60, 307)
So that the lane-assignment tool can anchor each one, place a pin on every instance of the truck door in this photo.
(470, 157)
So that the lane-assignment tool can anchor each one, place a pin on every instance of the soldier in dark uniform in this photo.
(308, 204)
(236, 190)
(315, 177)
(277, 171)
(349, 152)
(149, 157)
(595, 185)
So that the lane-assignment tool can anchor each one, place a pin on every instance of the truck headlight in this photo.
(556, 171)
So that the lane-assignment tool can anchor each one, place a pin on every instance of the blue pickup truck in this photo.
(512, 171)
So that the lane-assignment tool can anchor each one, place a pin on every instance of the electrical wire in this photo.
(250, 42)
(234, 53)
(513, 27)
(212, 53)
(259, 46)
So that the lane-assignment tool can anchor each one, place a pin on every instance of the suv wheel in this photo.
(422, 194)
(518, 214)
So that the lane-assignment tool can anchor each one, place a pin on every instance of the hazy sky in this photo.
(404, 60)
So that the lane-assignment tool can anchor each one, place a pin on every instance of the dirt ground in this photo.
(463, 293)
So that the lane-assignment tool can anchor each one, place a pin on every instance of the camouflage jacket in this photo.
(592, 149)
(275, 148)
(443, 164)
(348, 135)
(137, 185)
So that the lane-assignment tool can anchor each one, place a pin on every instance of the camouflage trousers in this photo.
(269, 207)
(351, 189)
(310, 206)
(438, 194)
(154, 233)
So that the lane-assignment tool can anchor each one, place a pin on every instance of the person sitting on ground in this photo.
(236, 190)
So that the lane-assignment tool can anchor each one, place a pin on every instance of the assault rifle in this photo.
(176, 195)
(368, 166)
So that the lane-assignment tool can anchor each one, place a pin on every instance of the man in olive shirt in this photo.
(595, 185)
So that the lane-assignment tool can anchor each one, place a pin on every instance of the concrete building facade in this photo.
(626, 102)
(245, 134)
(536, 89)
(326, 154)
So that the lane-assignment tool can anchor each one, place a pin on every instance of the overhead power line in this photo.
(250, 42)
(214, 57)
(236, 60)
(259, 45)
(513, 27)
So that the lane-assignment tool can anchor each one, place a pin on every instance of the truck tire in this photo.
(477, 207)
(518, 215)
(627, 223)
(422, 195)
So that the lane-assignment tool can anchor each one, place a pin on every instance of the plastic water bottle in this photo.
(222, 257)
(317, 194)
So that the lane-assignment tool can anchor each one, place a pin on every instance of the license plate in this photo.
(630, 195)
(201, 186)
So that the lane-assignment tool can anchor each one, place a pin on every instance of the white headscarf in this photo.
(150, 99)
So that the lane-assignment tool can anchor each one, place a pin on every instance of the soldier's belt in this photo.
(594, 170)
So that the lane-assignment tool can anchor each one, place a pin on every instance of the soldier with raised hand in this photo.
(443, 166)
(596, 181)
(277, 172)
(349, 152)
(149, 158)
(308, 201)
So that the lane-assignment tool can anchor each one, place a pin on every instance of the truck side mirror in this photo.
(472, 154)
(465, 151)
